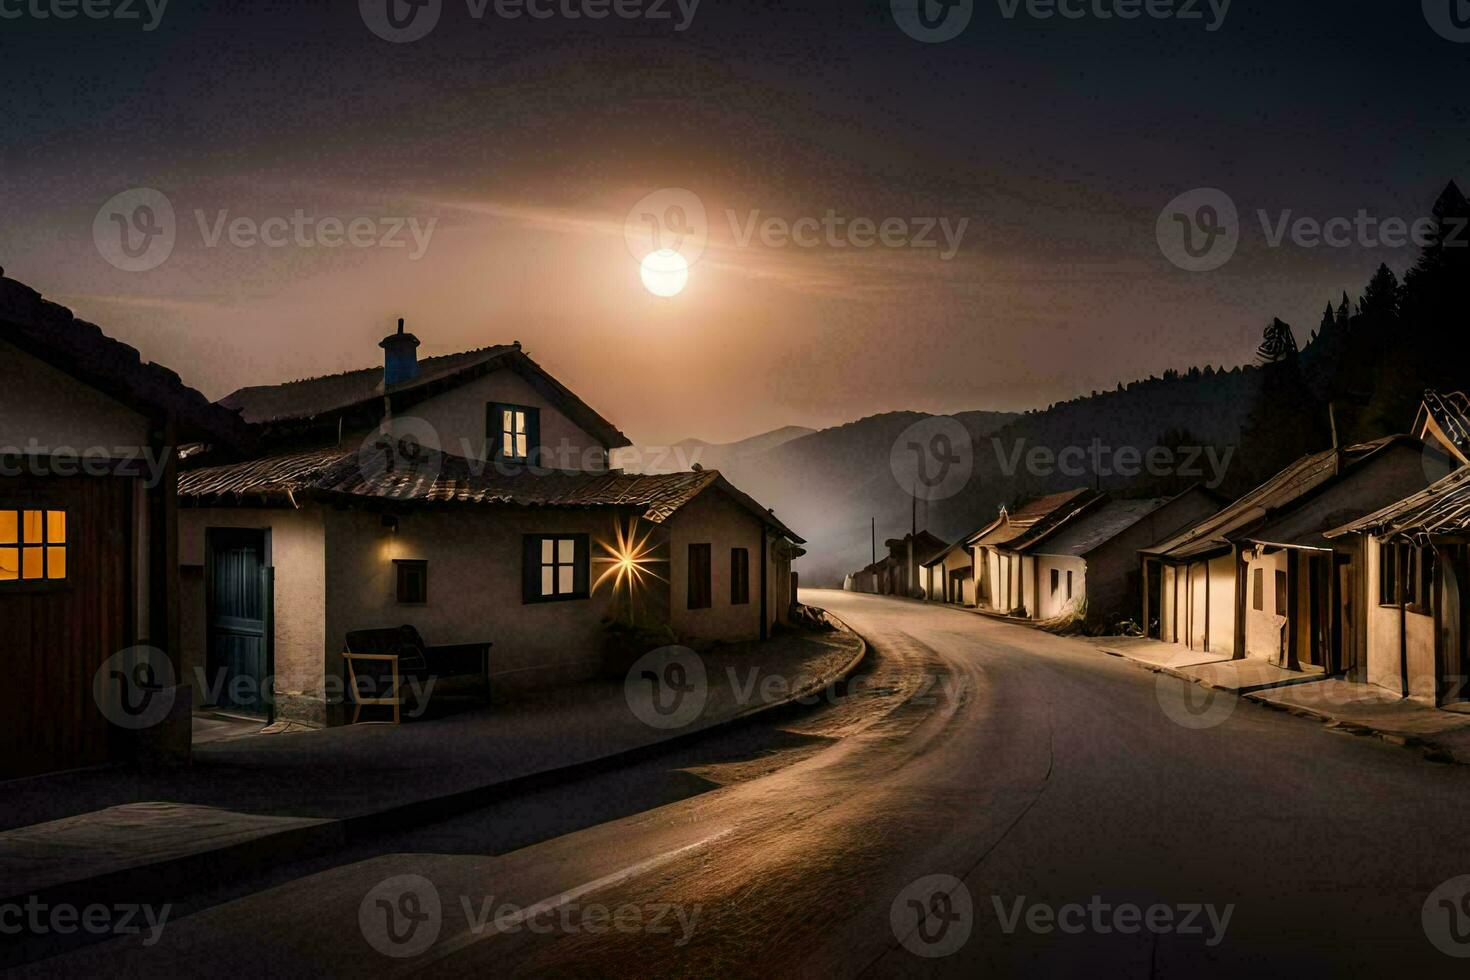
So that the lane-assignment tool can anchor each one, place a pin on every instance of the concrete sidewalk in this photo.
(1203, 667)
(265, 797)
(1361, 709)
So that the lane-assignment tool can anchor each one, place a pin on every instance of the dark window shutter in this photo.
(533, 434)
(530, 567)
(581, 569)
(492, 430)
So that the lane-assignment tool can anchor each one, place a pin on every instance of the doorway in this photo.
(240, 592)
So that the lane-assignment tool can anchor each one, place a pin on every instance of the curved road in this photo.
(1090, 817)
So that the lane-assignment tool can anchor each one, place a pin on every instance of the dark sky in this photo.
(526, 142)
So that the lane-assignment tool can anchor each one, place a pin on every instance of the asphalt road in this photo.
(1089, 818)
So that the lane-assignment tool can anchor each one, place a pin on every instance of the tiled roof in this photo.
(431, 477)
(1441, 508)
(53, 334)
(315, 398)
(1302, 477)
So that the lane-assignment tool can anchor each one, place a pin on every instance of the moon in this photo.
(665, 272)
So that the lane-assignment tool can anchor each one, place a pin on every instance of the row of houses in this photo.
(468, 496)
(1351, 562)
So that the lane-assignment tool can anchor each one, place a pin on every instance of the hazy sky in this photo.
(526, 142)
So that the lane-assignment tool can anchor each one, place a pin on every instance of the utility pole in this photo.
(875, 541)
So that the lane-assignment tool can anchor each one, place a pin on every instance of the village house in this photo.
(1417, 570)
(467, 496)
(1087, 566)
(1260, 579)
(1005, 579)
(949, 576)
(89, 619)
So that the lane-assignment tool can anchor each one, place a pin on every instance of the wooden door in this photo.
(56, 631)
(239, 606)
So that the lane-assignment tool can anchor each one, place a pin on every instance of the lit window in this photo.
(32, 545)
(511, 431)
(556, 567)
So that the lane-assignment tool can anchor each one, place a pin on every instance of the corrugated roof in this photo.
(53, 334)
(427, 476)
(1036, 517)
(1096, 527)
(1447, 419)
(1216, 532)
(1441, 508)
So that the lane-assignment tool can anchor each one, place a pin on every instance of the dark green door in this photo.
(239, 615)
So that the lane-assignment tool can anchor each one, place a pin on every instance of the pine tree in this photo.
(1380, 302)
(1329, 320)
(1344, 311)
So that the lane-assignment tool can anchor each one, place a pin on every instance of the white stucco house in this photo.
(1005, 578)
(469, 496)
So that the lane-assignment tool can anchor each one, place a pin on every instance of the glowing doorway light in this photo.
(628, 559)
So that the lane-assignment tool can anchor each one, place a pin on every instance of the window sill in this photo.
(540, 599)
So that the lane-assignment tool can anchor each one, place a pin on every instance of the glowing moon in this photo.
(665, 272)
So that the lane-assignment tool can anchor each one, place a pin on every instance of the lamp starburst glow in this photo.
(628, 559)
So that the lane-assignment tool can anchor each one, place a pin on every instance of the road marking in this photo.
(468, 939)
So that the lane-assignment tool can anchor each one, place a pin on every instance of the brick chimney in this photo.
(400, 357)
